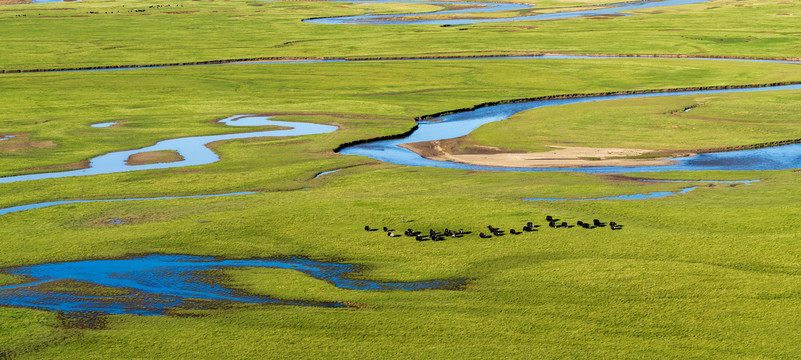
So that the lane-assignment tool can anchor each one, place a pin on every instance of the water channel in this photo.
(478, 8)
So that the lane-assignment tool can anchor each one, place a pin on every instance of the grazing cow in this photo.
(564, 224)
(419, 238)
(483, 236)
(461, 231)
(530, 224)
(391, 234)
(367, 228)
(580, 223)
(549, 218)
(585, 225)
(596, 222)
(552, 224)
(385, 228)
(513, 232)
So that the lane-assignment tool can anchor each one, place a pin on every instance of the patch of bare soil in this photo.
(154, 157)
(562, 156)
(22, 142)
(71, 166)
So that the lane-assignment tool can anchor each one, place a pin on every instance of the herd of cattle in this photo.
(493, 231)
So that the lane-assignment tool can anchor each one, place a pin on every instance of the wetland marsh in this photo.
(710, 272)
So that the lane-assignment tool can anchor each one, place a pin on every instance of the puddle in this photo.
(103, 125)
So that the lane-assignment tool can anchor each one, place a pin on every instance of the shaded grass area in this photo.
(66, 35)
(711, 121)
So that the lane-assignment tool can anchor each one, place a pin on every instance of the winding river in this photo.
(156, 284)
(463, 123)
(478, 8)
(192, 149)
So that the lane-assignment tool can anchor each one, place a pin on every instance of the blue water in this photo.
(536, 57)
(64, 202)
(463, 123)
(157, 284)
(398, 19)
(651, 195)
(326, 173)
(103, 125)
(746, 182)
(192, 149)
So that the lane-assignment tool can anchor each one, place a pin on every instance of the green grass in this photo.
(671, 279)
(365, 98)
(534, 294)
(713, 273)
(49, 37)
(719, 121)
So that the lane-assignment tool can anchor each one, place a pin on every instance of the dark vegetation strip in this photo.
(584, 95)
(380, 138)
(422, 57)
(599, 94)
(749, 147)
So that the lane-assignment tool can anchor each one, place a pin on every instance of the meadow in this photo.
(713, 273)
(65, 35)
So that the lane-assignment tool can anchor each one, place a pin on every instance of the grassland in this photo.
(713, 273)
(712, 121)
(66, 35)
